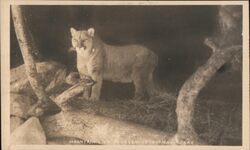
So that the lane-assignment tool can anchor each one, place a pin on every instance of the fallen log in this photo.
(98, 129)
(63, 99)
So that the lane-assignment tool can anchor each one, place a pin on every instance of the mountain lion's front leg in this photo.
(96, 89)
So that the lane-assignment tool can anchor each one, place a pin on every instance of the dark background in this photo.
(174, 33)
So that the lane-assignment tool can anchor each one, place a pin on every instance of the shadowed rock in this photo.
(20, 104)
(15, 122)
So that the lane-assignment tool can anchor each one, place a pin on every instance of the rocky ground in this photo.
(217, 122)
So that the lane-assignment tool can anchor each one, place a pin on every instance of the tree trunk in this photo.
(224, 48)
(26, 46)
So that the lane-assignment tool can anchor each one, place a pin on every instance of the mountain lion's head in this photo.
(82, 40)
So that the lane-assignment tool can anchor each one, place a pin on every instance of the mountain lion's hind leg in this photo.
(139, 80)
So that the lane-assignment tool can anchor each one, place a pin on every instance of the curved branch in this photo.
(224, 48)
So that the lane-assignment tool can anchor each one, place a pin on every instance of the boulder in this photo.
(30, 132)
(15, 122)
(19, 82)
(20, 104)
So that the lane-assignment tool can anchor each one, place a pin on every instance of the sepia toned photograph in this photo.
(94, 74)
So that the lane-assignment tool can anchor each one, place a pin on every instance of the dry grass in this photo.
(217, 123)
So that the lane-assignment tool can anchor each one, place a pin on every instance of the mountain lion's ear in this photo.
(73, 31)
(91, 32)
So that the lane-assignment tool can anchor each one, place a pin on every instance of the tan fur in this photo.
(131, 63)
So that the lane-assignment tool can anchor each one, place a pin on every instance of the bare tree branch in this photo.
(25, 43)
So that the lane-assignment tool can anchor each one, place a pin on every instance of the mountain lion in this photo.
(100, 61)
